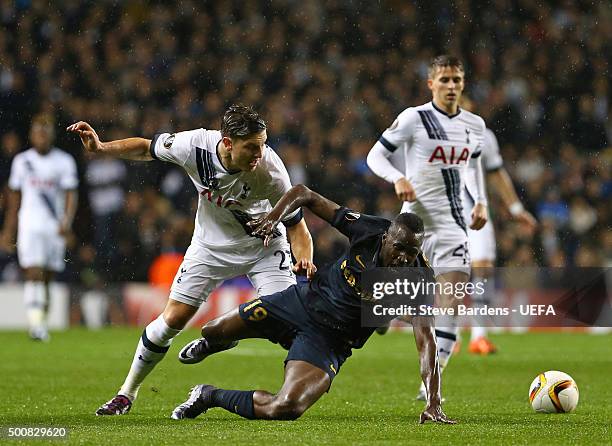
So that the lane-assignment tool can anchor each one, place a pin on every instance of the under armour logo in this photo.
(467, 136)
(145, 360)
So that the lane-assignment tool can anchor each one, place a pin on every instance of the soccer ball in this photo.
(553, 392)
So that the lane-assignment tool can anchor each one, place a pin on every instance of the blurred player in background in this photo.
(238, 178)
(42, 202)
(320, 323)
(442, 145)
(482, 242)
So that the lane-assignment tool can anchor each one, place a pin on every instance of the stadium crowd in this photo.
(328, 77)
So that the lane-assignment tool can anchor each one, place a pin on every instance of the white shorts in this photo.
(447, 250)
(41, 250)
(482, 243)
(268, 268)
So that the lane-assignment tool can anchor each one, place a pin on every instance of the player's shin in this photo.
(482, 300)
(152, 347)
(237, 401)
(35, 302)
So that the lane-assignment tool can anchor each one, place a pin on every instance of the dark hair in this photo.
(410, 221)
(442, 61)
(240, 121)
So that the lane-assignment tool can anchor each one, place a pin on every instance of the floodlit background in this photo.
(329, 77)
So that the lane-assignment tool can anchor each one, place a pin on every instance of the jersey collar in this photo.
(444, 113)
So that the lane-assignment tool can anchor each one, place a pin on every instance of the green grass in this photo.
(371, 400)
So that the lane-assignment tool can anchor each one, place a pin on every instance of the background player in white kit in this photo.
(482, 242)
(42, 203)
(238, 178)
(442, 146)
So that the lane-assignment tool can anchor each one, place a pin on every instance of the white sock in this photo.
(152, 347)
(478, 301)
(446, 337)
(35, 299)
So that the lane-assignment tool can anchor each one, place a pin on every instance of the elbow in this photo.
(370, 160)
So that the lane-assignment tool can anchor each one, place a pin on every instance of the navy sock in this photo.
(237, 401)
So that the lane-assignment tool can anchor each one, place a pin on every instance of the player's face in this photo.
(446, 86)
(247, 153)
(41, 137)
(400, 247)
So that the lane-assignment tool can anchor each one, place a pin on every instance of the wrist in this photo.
(396, 179)
(516, 208)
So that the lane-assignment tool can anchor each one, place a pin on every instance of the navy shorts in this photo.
(283, 319)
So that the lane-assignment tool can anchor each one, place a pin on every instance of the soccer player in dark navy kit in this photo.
(319, 322)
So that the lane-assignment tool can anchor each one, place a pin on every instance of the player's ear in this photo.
(430, 83)
(227, 142)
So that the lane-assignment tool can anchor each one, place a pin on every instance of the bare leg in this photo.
(228, 327)
(304, 385)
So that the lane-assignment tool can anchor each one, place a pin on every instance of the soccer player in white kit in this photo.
(482, 242)
(238, 179)
(442, 145)
(42, 203)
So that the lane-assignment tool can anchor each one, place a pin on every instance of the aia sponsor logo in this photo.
(450, 155)
(217, 199)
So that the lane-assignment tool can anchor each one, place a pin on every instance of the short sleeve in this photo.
(173, 147)
(69, 179)
(400, 131)
(16, 176)
(280, 184)
(353, 224)
(491, 159)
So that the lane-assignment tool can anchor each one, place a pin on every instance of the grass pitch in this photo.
(371, 401)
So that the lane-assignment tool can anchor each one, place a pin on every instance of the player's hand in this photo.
(527, 221)
(88, 136)
(305, 266)
(479, 216)
(264, 227)
(435, 413)
(404, 190)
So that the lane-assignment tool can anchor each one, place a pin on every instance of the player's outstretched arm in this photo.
(131, 148)
(302, 249)
(430, 370)
(503, 185)
(294, 198)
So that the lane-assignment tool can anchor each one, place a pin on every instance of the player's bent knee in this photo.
(287, 409)
(177, 314)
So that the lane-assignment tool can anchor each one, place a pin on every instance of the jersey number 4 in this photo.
(462, 251)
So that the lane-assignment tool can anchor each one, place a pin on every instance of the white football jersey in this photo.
(490, 157)
(227, 201)
(42, 181)
(437, 148)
